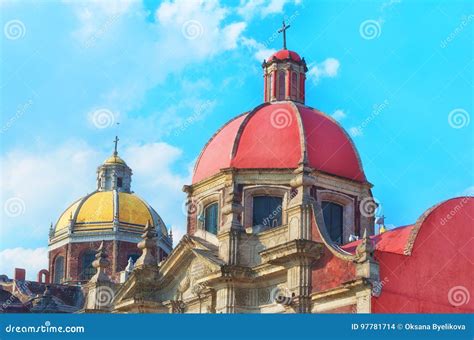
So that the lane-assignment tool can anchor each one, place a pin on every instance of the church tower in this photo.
(274, 198)
(114, 174)
(113, 215)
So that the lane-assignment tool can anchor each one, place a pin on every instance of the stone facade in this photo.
(293, 268)
(121, 251)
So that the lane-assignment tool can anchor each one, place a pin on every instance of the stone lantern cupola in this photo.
(114, 173)
(284, 74)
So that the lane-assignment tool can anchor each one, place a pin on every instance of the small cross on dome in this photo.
(283, 29)
(116, 140)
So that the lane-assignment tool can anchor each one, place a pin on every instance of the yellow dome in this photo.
(96, 212)
(114, 159)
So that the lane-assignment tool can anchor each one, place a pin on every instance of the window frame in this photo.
(349, 206)
(249, 192)
(269, 202)
(55, 267)
(208, 206)
(332, 204)
(83, 276)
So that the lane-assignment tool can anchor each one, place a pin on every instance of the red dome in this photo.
(285, 54)
(275, 135)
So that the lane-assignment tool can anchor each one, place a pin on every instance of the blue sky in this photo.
(396, 74)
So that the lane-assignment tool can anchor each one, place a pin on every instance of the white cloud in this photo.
(33, 260)
(231, 34)
(261, 52)
(355, 131)
(48, 181)
(96, 16)
(262, 8)
(196, 29)
(329, 68)
(157, 180)
(45, 182)
(338, 115)
(184, 33)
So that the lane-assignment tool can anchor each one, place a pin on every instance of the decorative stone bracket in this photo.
(291, 251)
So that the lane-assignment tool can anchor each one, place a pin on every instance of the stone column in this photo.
(299, 228)
(288, 84)
(368, 268)
(230, 229)
(299, 209)
(300, 284)
(225, 297)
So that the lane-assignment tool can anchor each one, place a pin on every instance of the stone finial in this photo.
(148, 246)
(100, 263)
(365, 249)
(129, 266)
(51, 230)
(45, 303)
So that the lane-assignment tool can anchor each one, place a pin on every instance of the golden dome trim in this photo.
(96, 211)
(115, 159)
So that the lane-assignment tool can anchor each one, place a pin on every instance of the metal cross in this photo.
(116, 140)
(283, 30)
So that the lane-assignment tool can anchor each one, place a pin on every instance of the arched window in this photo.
(267, 211)
(58, 269)
(281, 86)
(294, 85)
(332, 214)
(210, 218)
(87, 271)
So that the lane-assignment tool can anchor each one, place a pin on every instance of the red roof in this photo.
(436, 275)
(274, 136)
(391, 241)
(285, 54)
